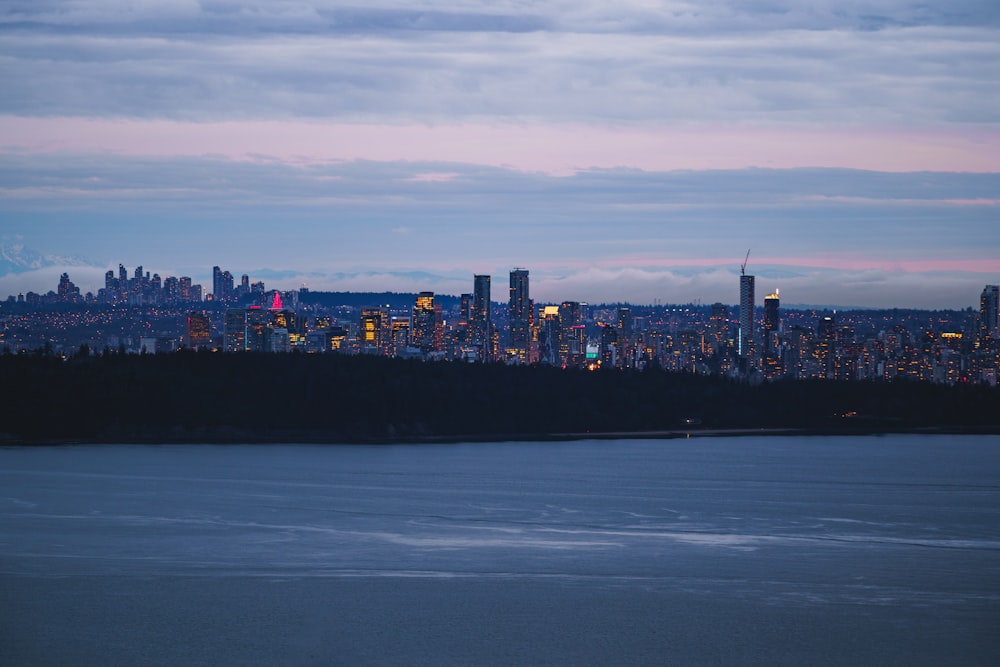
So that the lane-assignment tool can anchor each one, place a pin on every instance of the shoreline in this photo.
(305, 438)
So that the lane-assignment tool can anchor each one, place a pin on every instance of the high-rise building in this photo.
(745, 340)
(480, 320)
(184, 287)
(625, 337)
(422, 332)
(719, 325)
(227, 286)
(67, 291)
(260, 325)
(772, 322)
(235, 330)
(222, 285)
(572, 334)
(216, 283)
(520, 316)
(172, 289)
(989, 311)
(199, 330)
(375, 331)
(549, 336)
(401, 334)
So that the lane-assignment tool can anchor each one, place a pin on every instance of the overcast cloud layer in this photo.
(748, 62)
(607, 147)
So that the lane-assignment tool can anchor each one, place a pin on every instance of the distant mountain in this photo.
(17, 258)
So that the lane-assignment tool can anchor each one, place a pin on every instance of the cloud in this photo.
(602, 234)
(440, 62)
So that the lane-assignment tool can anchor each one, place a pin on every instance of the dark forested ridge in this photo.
(200, 397)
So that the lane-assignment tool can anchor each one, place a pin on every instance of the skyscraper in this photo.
(520, 316)
(625, 340)
(199, 330)
(572, 334)
(222, 285)
(989, 310)
(375, 331)
(719, 322)
(216, 283)
(480, 321)
(745, 340)
(423, 328)
(235, 330)
(772, 321)
(184, 288)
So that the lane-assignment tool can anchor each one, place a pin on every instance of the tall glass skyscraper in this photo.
(423, 328)
(520, 316)
(746, 316)
(989, 310)
(480, 324)
(772, 321)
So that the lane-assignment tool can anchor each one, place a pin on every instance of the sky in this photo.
(628, 151)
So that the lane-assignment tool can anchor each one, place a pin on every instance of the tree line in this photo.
(212, 397)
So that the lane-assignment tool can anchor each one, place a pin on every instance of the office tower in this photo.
(989, 311)
(549, 336)
(401, 333)
(422, 332)
(227, 286)
(66, 290)
(826, 329)
(572, 334)
(480, 320)
(216, 283)
(771, 359)
(772, 321)
(745, 341)
(520, 316)
(375, 331)
(235, 330)
(609, 346)
(625, 338)
(199, 330)
(184, 287)
(465, 311)
(719, 325)
(172, 290)
(258, 330)
(285, 319)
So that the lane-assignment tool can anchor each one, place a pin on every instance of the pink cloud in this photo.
(812, 261)
(555, 149)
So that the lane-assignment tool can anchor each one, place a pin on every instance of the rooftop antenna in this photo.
(743, 266)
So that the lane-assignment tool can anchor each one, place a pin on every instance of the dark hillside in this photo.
(218, 397)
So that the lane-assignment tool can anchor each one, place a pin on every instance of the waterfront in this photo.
(753, 550)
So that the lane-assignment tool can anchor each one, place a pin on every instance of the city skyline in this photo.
(626, 153)
(147, 313)
(224, 285)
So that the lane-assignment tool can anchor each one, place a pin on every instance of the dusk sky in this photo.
(626, 151)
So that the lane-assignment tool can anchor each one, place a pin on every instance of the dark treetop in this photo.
(189, 396)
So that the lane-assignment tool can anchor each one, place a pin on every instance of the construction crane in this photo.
(743, 266)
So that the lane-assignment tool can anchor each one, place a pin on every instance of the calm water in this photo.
(789, 550)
